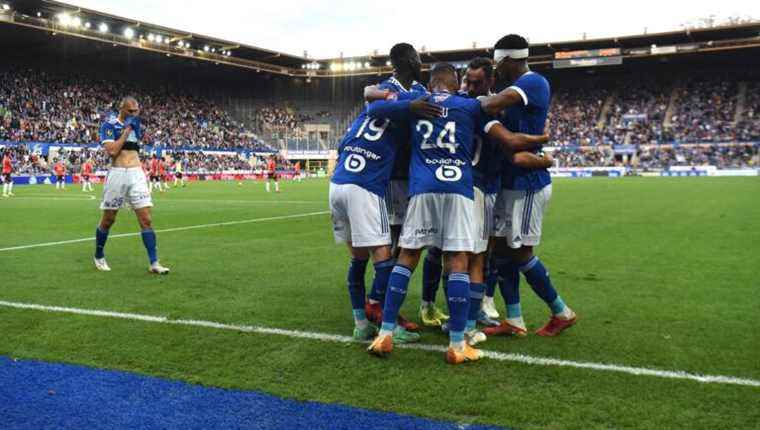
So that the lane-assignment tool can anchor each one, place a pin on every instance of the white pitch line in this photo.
(167, 230)
(72, 198)
(494, 355)
(273, 202)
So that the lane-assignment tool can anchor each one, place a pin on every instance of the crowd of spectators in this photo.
(663, 156)
(574, 116)
(705, 111)
(37, 106)
(738, 156)
(748, 127)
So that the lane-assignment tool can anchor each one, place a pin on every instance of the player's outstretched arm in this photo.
(404, 109)
(373, 93)
(514, 142)
(500, 101)
(529, 160)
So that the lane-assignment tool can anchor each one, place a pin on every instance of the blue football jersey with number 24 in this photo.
(442, 148)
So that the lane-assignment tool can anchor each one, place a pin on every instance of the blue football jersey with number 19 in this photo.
(442, 148)
(368, 151)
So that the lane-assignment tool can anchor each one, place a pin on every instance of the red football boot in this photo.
(556, 325)
(408, 325)
(374, 313)
(505, 329)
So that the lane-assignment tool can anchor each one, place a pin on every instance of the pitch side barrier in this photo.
(100, 176)
(674, 171)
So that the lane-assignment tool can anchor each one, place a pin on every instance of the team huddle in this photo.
(458, 171)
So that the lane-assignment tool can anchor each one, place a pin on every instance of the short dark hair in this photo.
(400, 51)
(482, 63)
(511, 41)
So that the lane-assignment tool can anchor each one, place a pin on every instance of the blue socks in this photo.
(477, 291)
(356, 288)
(380, 283)
(398, 283)
(459, 301)
(149, 240)
(510, 286)
(431, 274)
(101, 236)
(538, 278)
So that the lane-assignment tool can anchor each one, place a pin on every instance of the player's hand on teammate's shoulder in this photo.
(423, 108)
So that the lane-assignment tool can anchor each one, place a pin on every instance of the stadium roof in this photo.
(57, 17)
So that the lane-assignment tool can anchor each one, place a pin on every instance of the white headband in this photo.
(515, 54)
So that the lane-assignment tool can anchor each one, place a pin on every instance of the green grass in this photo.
(663, 273)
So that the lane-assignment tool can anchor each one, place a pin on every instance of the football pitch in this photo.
(663, 274)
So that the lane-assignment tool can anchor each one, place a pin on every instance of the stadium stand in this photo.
(44, 107)
(697, 107)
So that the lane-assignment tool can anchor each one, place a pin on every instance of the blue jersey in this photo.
(400, 169)
(368, 151)
(487, 163)
(112, 128)
(442, 148)
(529, 117)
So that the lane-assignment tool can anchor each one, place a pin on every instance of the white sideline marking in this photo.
(499, 356)
(272, 202)
(42, 197)
(167, 230)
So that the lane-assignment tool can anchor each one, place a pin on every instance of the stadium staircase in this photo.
(601, 123)
(667, 121)
(741, 102)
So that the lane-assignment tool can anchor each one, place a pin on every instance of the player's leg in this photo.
(509, 202)
(430, 314)
(107, 221)
(490, 314)
(459, 238)
(533, 269)
(398, 284)
(476, 268)
(357, 268)
(144, 218)
(276, 183)
(269, 179)
(5, 185)
(492, 277)
(359, 256)
(139, 198)
(457, 263)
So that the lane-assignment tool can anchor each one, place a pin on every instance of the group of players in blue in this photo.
(457, 170)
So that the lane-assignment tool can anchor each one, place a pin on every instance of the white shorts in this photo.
(444, 221)
(359, 217)
(484, 219)
(519, 215)
(126, 187)
(397, 198)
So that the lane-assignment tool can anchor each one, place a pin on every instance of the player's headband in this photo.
(515, 54)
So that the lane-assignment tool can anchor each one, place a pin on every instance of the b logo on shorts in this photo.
(355, 163)
(448, 173)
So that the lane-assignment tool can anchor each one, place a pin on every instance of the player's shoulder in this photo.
(533, 79)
